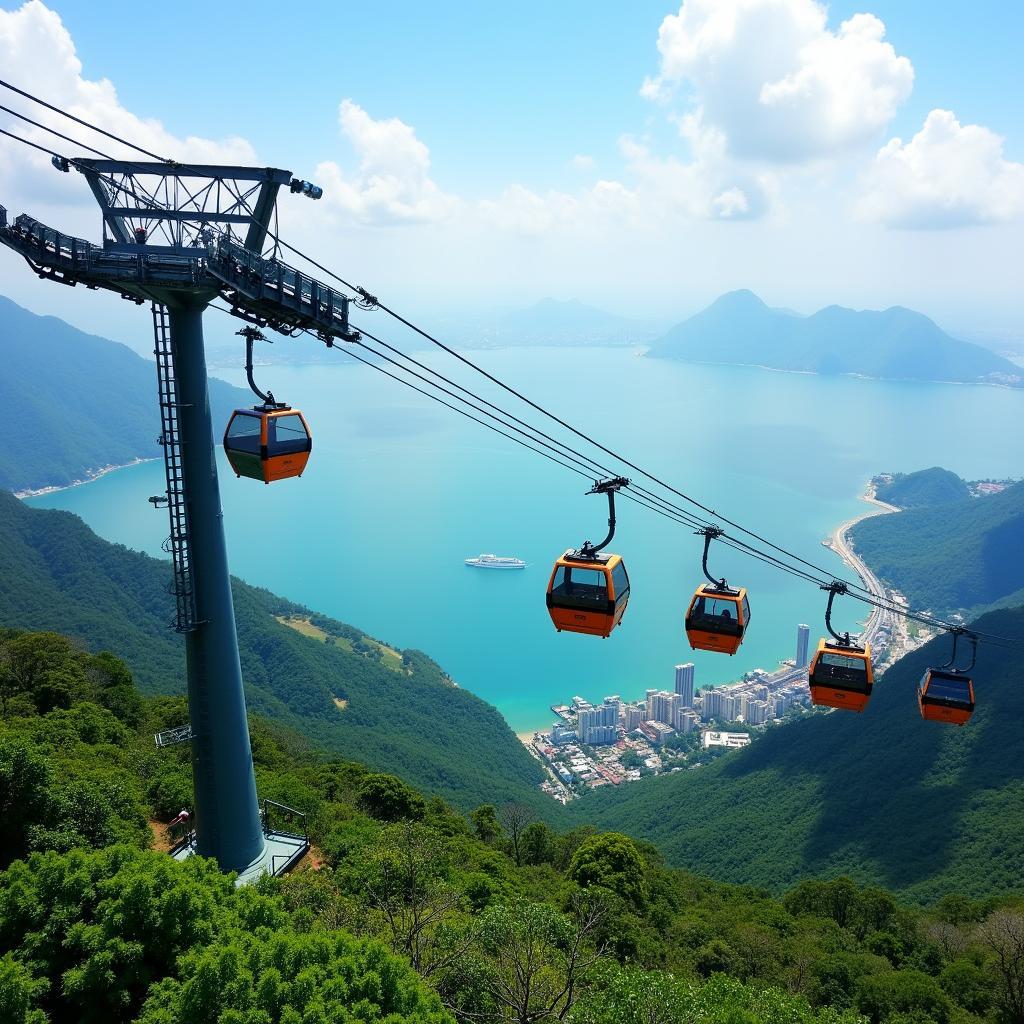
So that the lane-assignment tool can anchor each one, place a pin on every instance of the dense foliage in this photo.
(919, 807)
(895, 343)
(402, 714)
(935, 486)
(72, 403)
(964, 556)
(416, 913)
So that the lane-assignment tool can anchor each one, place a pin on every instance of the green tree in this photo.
(612, 861)
(18, 992)
(406, 878)
(632, 996)
(968, 985)
(389, 799)
(486, 824)
(880, 996)
(1001, 934)
(284, 978)
(514, 819)
(536, 843)
(24, 794)
(526, 963)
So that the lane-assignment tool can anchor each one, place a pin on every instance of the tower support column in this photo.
(227, 816)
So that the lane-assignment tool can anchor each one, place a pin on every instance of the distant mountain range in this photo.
(72, 403)
(895, 344)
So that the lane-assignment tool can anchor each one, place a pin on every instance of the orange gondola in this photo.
(270, 441)
(718, 615)
(588, 590)
(946, 694)
(840, 674)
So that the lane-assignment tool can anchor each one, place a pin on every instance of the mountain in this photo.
(926, 487)
(72, 403)
(395, 711)
(884, 797)
(959, 556)
(895, 343)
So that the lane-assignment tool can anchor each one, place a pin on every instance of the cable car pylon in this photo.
(172, 234)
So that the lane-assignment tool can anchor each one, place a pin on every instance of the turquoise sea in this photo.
(400, 490)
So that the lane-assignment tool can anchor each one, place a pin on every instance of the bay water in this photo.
(399, 491)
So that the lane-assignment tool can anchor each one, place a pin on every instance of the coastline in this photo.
(38, 492)
(880, 621)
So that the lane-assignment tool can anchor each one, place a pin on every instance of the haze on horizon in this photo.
(643, 160)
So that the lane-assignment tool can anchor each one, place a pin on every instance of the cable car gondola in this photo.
(270, 441)
(840, 673)
(718, 615)
(946, 693)
(588, 590)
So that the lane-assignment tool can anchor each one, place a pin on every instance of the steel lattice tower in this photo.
(178, 236)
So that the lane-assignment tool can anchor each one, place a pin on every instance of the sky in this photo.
(641, 157)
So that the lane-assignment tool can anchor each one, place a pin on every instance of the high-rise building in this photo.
(757, 712)
(632, 715)
(661, 706)
(600, 724)
(803, 639)
(611, 708)
(686, 720)
(684, 683)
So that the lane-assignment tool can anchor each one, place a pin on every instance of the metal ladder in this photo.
(178, 544)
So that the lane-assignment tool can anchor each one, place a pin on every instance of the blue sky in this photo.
(492, 154)
(500, 92)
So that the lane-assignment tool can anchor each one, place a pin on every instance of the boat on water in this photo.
(489, 561)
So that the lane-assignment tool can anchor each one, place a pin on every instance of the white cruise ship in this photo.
(495, 562)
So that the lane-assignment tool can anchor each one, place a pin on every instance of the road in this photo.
(880, 619)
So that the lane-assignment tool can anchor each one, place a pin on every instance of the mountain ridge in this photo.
(893, 344)
(73, 403)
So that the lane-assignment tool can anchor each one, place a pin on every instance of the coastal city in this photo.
(616, 741)
(594, 745)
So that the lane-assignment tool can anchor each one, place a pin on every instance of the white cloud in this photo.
(33, 37)
(949, 175)
(582, 162)
(772, 77)
(704, 188)
(392, 183)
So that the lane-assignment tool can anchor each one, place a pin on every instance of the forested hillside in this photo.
(963, 556)
(918, 807)
(396, 712)
(408, 912)
(896, 343)
(926, 487)
(72, 403)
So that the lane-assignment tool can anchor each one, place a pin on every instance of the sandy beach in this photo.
(93, 475)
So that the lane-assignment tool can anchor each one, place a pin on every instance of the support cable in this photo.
(370, 301)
